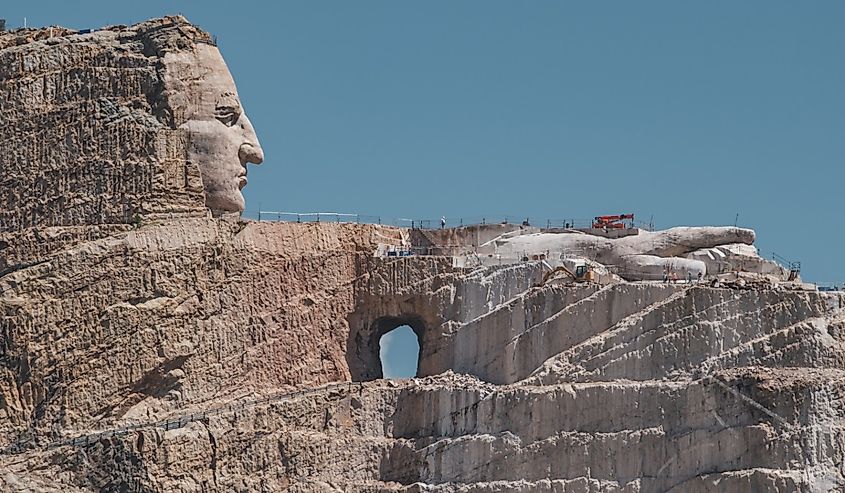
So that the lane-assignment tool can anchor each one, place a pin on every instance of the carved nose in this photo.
(249, 153)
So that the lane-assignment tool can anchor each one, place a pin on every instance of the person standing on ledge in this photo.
(442, 222)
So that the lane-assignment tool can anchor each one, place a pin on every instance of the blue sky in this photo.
(688, 111)
(399, 350)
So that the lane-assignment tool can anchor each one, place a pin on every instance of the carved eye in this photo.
(228, 115)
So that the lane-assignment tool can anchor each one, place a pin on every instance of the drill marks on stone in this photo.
(179, 421)
(763, 349)
(783, 422)
(84, 141)
(565, 327)
(676, 323)
(202, 291)
(551, 371)
(565, 453)
(709, 444)
(467, 461)
(509, 305)
(697, 342)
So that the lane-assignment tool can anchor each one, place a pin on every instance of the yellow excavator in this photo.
(583, 273)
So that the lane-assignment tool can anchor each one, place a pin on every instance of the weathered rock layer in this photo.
(569, 387)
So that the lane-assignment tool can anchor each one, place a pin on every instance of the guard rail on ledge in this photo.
(340, 217)
(792, 265)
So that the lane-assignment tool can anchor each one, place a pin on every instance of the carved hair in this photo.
(88, 134)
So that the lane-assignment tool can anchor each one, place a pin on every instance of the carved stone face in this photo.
(221, 140)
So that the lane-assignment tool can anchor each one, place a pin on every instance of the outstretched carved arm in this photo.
(679, 241)
(647, 255)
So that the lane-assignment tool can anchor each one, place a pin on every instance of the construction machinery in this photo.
(612, 222)
(583, 273)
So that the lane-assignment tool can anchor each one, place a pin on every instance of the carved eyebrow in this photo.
(224, 109)
(228, 108)
(228, 100)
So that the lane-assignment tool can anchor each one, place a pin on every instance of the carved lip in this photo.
(242, 181)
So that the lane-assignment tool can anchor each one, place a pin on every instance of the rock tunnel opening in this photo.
(399, 353)
(389, 347)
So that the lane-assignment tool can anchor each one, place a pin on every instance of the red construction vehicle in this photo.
(612, 222)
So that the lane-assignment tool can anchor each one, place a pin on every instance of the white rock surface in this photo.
(645, 256)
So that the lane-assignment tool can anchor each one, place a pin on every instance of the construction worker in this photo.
(689, 277)
(442, 222)
(699, 276)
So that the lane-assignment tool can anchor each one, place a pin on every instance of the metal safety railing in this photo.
(829, 286)
(418, 223)
(792, 265)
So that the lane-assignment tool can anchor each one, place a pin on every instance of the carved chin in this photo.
(228, 201)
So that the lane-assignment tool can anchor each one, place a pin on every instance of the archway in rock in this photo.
(399, 353)
(365, 345)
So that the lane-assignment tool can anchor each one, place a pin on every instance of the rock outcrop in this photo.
(147, 344)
